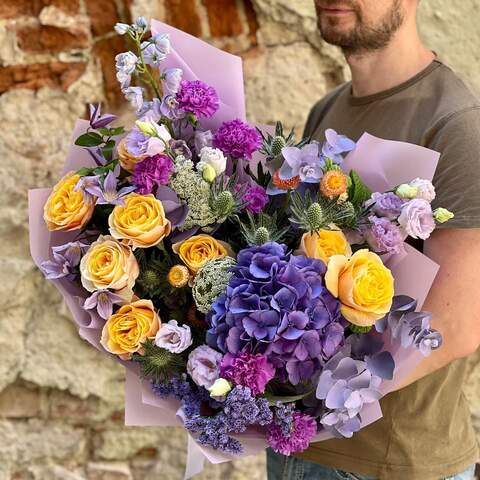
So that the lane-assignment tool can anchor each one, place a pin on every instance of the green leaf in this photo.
(111, 132)
(358, 192)
(89, 139)
(272, 399)
(107, 150)
(84, 171)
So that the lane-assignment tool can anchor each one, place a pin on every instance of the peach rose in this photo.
(127, 160)
(65, 208)
(324, 244)
(363, 285)
(109, 264)
(141, 222)
(128, 328)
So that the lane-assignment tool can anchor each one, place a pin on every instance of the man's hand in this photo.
(454, 299)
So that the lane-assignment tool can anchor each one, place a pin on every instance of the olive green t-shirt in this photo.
(426, 431)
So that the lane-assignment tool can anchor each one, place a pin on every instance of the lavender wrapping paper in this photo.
(382, 164)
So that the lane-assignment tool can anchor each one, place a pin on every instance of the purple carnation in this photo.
(386, 204)
(237, 139)
(252, 371)
(383, 236)
(255, 198)
(303, 429)
(151, 172)
(198, 98)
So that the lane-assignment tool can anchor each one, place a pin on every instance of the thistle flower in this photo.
(333, 183)
(262, 229)
(178, 276)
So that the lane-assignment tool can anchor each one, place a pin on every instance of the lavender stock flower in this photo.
(172, 78)
(65, 260)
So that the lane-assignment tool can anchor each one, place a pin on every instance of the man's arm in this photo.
(454, 299)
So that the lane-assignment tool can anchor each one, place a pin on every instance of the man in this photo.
(400, 90)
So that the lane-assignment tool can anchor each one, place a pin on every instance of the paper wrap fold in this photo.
(381, 164)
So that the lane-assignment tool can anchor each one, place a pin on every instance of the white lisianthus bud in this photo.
(208, 173)
(442, 215)
(215, 158)
(406, 191)
(425, 189)
(220, 387)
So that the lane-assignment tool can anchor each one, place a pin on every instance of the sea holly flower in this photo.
(107, 192)
(304, 163)
(102, 301)
(336, 144)
(65, 260)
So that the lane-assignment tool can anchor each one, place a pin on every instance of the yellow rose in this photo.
(141, 221)
(67, 209)
(126, 330)
(325, 243)
(109, 264)
(363, 285)
(199, 249)
(127, 160)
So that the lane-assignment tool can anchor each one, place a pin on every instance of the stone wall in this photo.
(61, 402)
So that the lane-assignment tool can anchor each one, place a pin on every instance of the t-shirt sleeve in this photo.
(457, 178)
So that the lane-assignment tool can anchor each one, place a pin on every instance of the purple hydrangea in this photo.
(303, 429)
(151, 172)
(255, 198)
(385, 204)
(237, 139)
(277, 304)
(252, 371)
(198, 98)
(383, 236)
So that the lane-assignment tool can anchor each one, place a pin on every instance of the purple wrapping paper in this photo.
(382, 164)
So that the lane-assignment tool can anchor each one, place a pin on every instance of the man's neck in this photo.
(379, 70)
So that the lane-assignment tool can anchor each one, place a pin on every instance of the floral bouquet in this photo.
(259, 290)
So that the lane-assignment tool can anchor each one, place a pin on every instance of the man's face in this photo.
(359, 26)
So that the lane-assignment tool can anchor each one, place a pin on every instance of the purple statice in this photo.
(198, 98)
(66, 259)
(106, 191)
(305, 162)
(283, 417)
(383, 236)
(335, 145)
(102, 302)
(386, 204)
(249, 370)
(151, 172)
(277, 304)
(255, 198)
(237, 139)
(302, 429)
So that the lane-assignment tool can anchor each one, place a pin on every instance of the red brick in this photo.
(45, 38)
(71, 7)
(223, 18)
(103, 15)
(251, 20)
(32, 8)
(38, 75)
(183, 14)
(106, 50)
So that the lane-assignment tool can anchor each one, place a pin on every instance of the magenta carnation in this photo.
(237, 139)
(150, 172)
(303, 429)
(248, 370)
(198, 98)
(255, 198)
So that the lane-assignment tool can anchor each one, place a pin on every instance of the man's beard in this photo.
(363, 37)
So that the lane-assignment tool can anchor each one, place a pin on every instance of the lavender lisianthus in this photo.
(198, 98)
(256, 198)
(66, 259)
(247, 369)
(303, 429)
(173, 337)
(425, 189)
(417, 218)
(151, 172)
(385, 204)
(204, 365)
(237, 139)
(383, 236)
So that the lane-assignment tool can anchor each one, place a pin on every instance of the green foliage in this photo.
(358, 329)
(89, 139)
(261, 228)
(358, 192)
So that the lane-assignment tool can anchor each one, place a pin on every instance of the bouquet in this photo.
(259, 290)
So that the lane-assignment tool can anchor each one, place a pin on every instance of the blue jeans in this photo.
(280, 467)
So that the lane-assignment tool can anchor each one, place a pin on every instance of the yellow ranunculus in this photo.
(127, 160)
(363, 285)
(126, 330)
(199, 249)
(141, 221)
(325, 243)
(65, 208)
(109, 264)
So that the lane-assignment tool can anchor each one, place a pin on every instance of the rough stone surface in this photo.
(61, 402)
